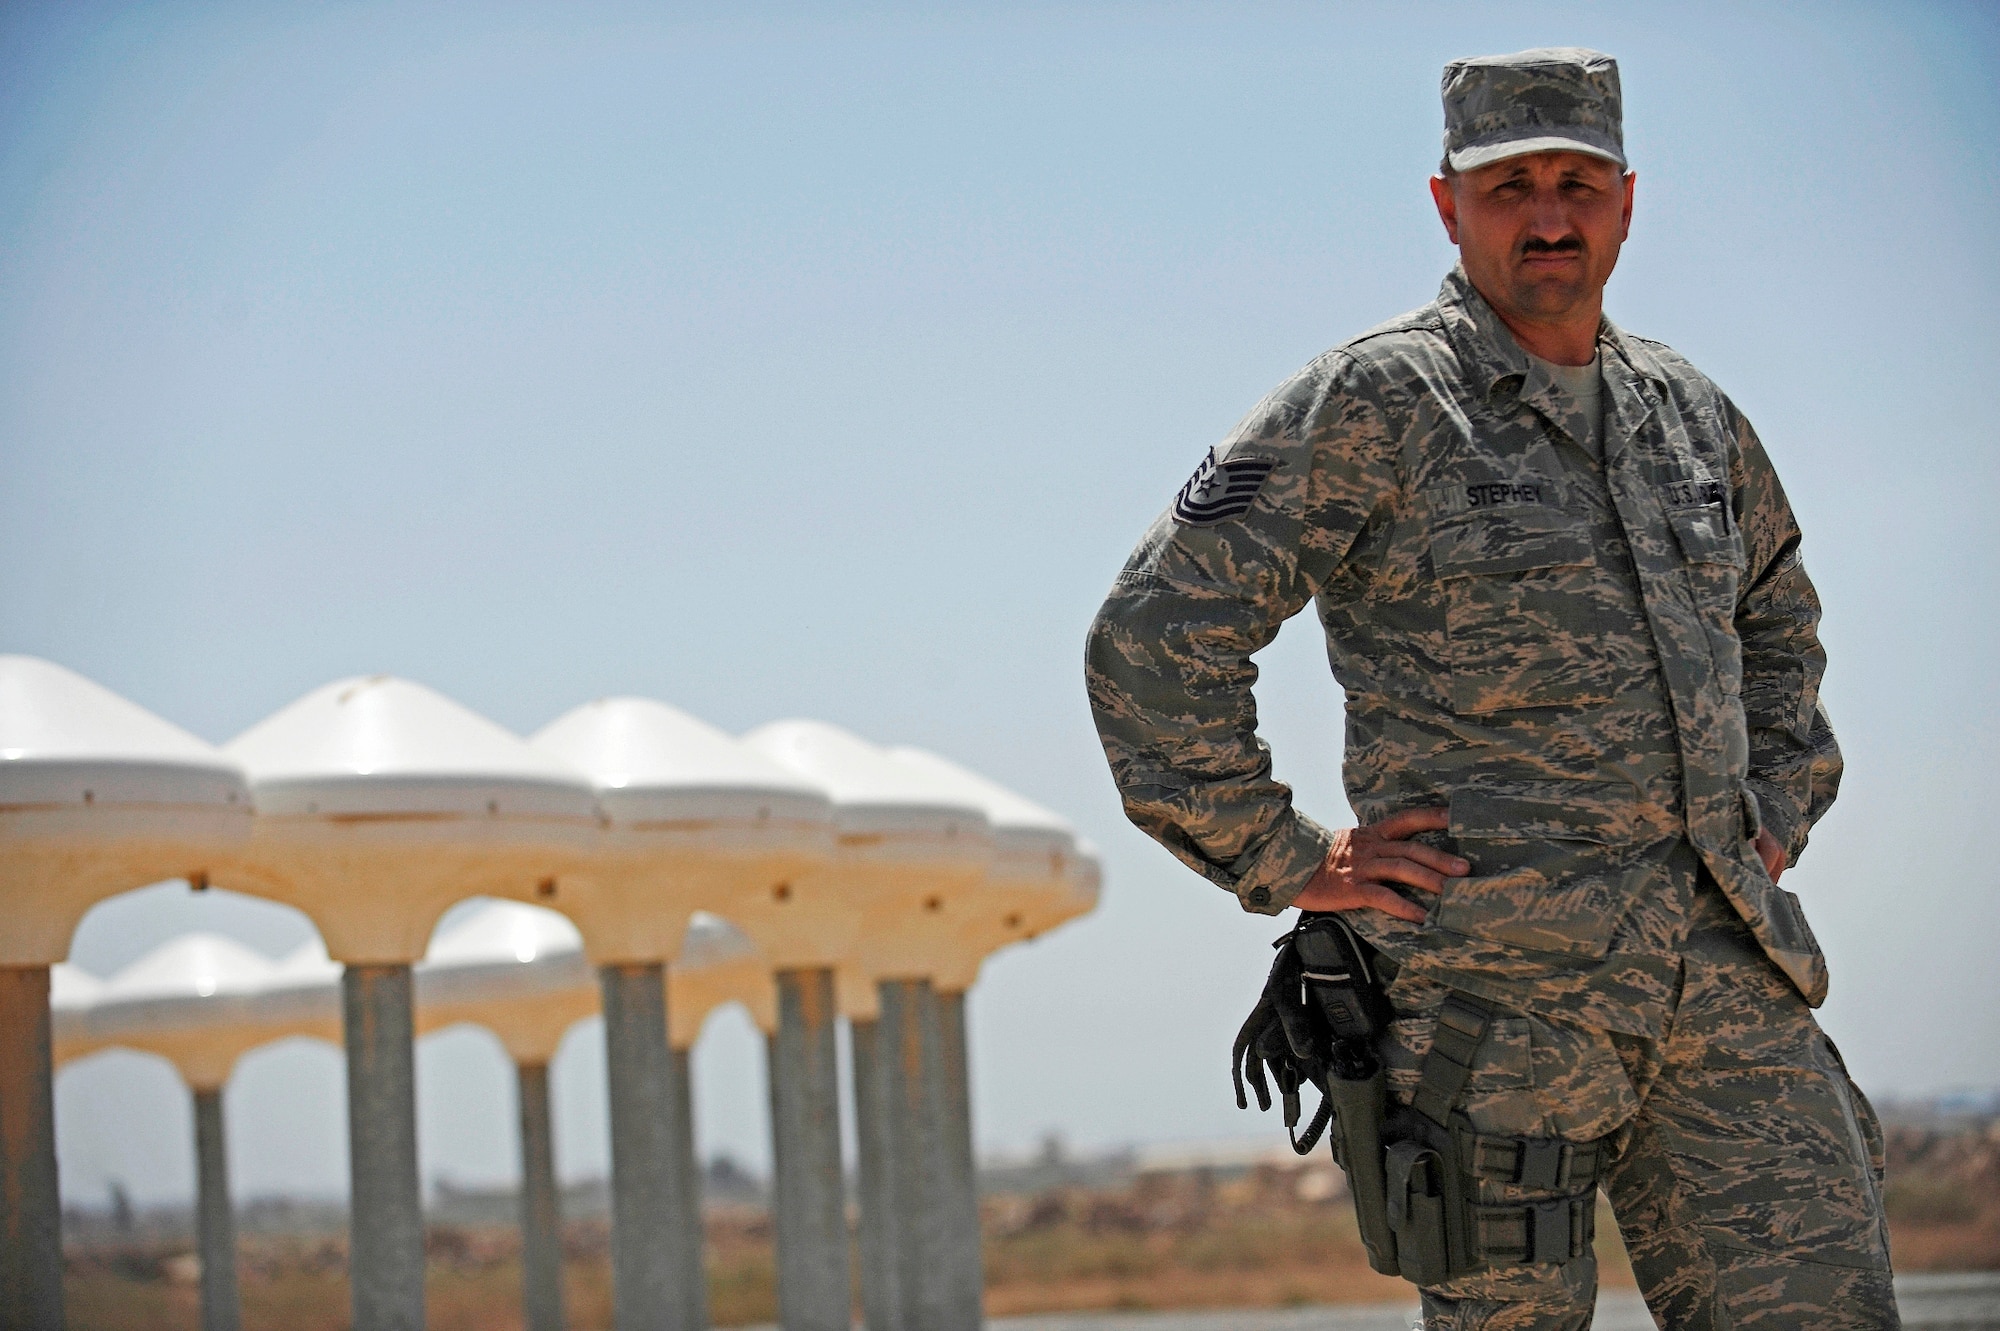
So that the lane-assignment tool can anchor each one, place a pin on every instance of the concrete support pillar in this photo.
(31, 1294)
(881, 1301)
(541, 1208)
(965, 1267)
(385, 1242)
(215, 1215)
(650, 1289)
(917, 1164)
(691, 1275)
(814, 1288)
(908, 1239)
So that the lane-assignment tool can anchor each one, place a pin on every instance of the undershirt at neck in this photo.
(1584, 386)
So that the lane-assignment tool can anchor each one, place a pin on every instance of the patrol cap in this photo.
(1551, 99)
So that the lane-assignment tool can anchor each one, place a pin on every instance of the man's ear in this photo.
(1631, 180)
(1447, 206)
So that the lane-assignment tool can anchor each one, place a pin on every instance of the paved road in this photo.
(1968, 1302)
(1949, 1302)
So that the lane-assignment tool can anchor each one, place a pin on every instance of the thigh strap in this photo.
(1555, 1230)
(1546, 1164)
(1552, 1231)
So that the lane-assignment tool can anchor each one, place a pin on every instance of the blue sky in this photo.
(797, 361)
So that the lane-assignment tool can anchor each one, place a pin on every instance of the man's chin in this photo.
(1551, 299)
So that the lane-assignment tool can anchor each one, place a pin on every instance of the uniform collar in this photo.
(1494, 361)
(1490, 355)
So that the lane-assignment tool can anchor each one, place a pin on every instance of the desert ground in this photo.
(1106, 1235)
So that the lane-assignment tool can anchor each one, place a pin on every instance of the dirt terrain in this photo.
(1131, 1238)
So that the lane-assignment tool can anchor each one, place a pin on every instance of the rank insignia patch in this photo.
(1219, 491)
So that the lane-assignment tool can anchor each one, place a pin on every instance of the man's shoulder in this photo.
(1660, 362)
(1418, 333)
(1374, 361)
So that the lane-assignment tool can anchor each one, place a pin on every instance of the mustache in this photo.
(1567, 245)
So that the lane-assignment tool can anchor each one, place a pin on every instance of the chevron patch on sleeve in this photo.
(1219, 491)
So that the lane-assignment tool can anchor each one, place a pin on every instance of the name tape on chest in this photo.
(1494, 495)
(1692, 498)
(1693, 493)
(1219, 490)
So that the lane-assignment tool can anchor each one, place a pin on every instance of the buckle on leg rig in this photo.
(1558, 1230)
(1546, 1164)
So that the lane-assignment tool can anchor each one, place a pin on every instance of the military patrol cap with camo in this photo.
(1552, 99)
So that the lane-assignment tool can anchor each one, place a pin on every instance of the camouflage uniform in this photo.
(1607, 668)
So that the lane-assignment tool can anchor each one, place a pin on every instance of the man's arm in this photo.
(1794, 760)
(1168, 661)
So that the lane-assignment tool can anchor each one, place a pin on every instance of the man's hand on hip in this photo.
(1364, 860)
(1767, 848)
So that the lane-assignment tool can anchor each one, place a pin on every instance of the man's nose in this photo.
(1549, 220)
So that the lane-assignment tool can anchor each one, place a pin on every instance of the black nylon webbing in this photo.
(1461, 1027)
(1546, 1164)
(1557, 1230)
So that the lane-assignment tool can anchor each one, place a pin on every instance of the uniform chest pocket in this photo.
(1514, 579)
(1712, 547)
(1705, 531)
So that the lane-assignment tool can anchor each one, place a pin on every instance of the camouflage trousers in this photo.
(1744, 1167)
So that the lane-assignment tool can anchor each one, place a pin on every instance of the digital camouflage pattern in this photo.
(1559, 98)
(1590, 663)
(1745, 1167)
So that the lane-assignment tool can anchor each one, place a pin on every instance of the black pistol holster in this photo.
(1413, 1173)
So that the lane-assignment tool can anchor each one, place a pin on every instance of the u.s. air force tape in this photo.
(1219, 491)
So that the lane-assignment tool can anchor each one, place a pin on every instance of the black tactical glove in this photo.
(1320, 1012)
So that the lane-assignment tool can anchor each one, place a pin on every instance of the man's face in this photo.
(1538, 234)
